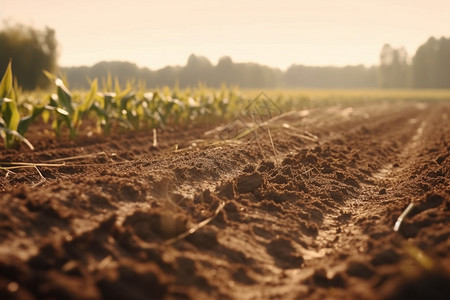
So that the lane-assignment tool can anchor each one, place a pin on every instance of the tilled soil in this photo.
(302, 208)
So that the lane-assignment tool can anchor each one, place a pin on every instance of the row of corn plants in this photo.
(133, 107)
(111, 108)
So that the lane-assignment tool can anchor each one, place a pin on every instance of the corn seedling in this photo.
(12, 127)
(109, 112)
(85, 106)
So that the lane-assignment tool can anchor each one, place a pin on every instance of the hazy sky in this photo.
(276, 33)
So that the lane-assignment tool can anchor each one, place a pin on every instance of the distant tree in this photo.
(224, 72)
(167, 76)
(31, 52)
(198, 69)
(431, 64)
(394, 67)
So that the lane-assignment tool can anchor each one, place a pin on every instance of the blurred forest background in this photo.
(32, 51)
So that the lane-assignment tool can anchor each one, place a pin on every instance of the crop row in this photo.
(111, 108)
(130, 108)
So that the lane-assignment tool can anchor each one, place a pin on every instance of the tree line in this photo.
(199, 69)
(33, 50)
(428, 68)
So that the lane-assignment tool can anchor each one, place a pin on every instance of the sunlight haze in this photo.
(275, 33)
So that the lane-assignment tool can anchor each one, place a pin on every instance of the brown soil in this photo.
(310, 217)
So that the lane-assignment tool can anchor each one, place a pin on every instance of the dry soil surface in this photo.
(302, 208)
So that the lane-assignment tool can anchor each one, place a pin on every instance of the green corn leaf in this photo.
(100, 112)
(108, 100)
(53, 100)
(10, 115)
(90, 97)
(25, 122)
(6, 85)
(85, 106)
(64, 117)
(125, 99)
(64, 96)
(16, 135)
(102, 117)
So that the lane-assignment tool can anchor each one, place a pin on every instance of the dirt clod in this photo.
(248, 183)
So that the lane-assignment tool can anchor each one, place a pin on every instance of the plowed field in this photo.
(302, 208)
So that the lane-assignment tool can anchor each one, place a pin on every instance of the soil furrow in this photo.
(314, 222)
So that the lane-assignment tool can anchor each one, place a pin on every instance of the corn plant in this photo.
(12, 126)
(150, 114)
(85, 107)
(65, 110)
(127, 109)
(109, 113)
(165, 109)
(61, 106)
